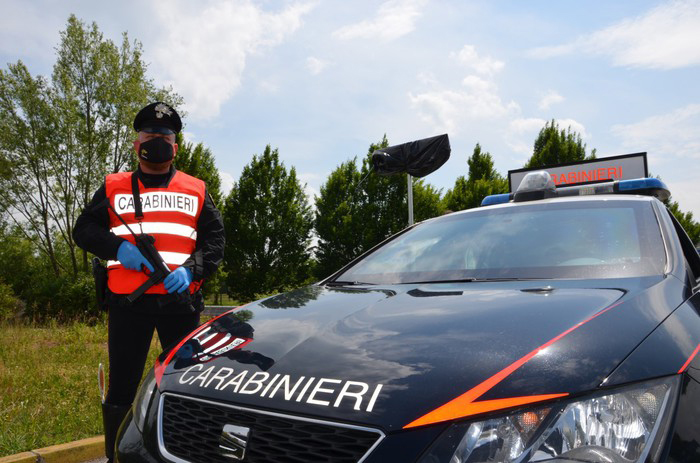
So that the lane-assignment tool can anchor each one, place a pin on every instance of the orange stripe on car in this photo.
(466, 405)
(690, 359)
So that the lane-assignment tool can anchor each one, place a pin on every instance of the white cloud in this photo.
(575, 126)
(189, 137)
(394, 19)
(306, 178)
(533, 125)
(315, 65)
(483, 65)
(672, 143)
(476, 99)
(527, 126)
(686, 193)
(665, 136)
(552, 51)
(427, 78)
(202, 49)
(550, 98)
(523, 131)
(227, 182)
(28, 29)
(266, 86)
(665, 37)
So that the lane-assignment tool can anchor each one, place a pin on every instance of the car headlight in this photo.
(143, 399)
(623, 425)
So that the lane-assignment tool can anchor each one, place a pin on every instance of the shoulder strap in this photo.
(138, 213)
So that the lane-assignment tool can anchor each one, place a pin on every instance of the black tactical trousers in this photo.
(129, 338)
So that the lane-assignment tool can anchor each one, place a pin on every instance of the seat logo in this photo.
(233, 441)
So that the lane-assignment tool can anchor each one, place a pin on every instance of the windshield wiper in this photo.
(459, 280)
(471, 280)
(346, 283)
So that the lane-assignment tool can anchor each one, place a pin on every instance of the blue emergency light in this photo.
(496, 199)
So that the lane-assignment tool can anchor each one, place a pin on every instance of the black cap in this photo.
(158, 117)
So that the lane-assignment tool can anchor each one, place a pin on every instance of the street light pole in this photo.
(409, 178)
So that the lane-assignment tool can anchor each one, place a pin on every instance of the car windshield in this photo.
(571, 239)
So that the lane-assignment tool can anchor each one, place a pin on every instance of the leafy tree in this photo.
(357, 209)
(198, 161)
(481, 166)
(555, 146)
(98, 88)
(27, 144)
(427, 200)
(20, 268)
(128, 91)
(691, 227)
(338, 219)
(59, 136)
(10, 305)
(482, 180)
(268, 225)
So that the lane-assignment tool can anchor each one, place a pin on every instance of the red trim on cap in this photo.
(466, 405)
(690, 359)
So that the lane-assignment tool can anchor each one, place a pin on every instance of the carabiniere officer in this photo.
(178, 212)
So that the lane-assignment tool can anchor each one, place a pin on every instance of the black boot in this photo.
(112, 417)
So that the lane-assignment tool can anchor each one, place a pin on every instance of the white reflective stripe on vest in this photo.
(171, 258)
(168, 228)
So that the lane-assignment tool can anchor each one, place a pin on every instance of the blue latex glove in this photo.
(178, 280)
(131, 258)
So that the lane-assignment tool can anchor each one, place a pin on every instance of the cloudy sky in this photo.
(322, 79)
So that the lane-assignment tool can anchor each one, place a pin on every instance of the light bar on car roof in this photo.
(641, 186)
(496, 199)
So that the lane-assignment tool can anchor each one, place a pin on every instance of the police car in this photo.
(554, 324)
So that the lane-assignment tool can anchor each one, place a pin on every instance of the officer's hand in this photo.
(178, 280)
(131, 258)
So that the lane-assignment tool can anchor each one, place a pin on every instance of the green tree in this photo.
(482, 180)
(10, 305)
(557, 146)
(58, 138)
(27, 145)
(81, 85)
(128, 92)
(357, 209)
(268, 225)
(98, 88)
(691, 227)
(427, 200)
(689, 224)
(198, 161)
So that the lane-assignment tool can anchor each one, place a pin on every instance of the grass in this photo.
(48, 384)
(224, 299)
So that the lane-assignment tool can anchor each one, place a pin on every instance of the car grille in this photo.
(191, 429)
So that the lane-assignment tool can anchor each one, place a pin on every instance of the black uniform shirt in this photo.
(92, 229)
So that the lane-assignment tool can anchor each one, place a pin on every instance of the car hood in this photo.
(408, 355)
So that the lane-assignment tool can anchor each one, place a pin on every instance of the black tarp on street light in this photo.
(416, 158)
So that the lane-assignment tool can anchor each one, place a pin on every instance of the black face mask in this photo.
(156, 150)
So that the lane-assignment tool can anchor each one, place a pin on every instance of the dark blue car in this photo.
(549, 326)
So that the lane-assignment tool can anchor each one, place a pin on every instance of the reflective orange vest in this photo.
(169, 215)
